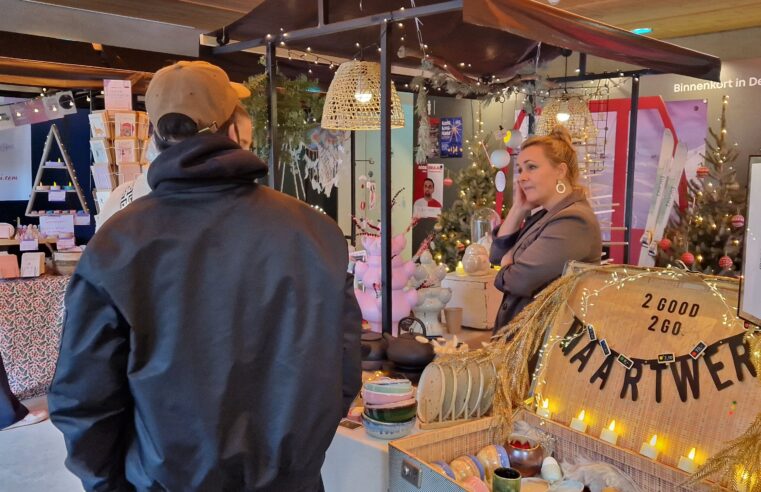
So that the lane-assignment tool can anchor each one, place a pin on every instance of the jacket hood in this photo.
(204, 160)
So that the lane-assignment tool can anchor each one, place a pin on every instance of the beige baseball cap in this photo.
(197, 89)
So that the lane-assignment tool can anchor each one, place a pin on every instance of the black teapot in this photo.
(405, 350)
(373, 350)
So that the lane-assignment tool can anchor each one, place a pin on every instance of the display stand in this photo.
(477, 297)
(44, 165)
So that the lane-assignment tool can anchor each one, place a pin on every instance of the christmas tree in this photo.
(476, 190)
(707, 235)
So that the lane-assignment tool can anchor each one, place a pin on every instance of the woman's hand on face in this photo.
(520, 203)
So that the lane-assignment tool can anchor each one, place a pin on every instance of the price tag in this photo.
(82, 220)
(57, 196)
(66, 243)
(28, 245)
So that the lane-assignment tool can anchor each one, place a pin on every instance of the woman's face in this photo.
(537, 177)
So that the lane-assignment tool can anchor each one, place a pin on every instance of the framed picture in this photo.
(750, 285)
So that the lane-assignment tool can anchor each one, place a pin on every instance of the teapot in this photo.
(373, 350)
(406, 350)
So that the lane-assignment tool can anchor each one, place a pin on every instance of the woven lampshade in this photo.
(580, 124)
(353, 99)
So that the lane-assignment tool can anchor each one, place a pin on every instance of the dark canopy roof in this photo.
(491, 37)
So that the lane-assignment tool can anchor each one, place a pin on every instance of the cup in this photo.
(506, 480)
(453, 317)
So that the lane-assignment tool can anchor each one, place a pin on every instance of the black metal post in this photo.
(630, 162)
(385, 147)
(272, 139)
(531, 117)
(353, 140)
(321, 8)
(582, 64)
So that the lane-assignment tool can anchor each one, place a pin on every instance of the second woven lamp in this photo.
(353, 99)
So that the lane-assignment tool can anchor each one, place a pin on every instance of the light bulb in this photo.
(362, 94)
(563, 115)
(612, 426)
(692, 454)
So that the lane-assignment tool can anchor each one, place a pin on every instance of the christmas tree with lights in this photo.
(707, 235)
(476, 190)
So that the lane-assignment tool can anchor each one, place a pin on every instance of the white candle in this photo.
(460, 270)
(544, 410)
(610, 435)
(649, 449)
(688, 464)
(578, 423)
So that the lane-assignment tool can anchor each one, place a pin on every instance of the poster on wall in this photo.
(428, 193)
(750, 286)
(450, 137)
(434, 129)
(15, 163)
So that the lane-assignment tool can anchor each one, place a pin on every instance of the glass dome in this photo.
(483, 221)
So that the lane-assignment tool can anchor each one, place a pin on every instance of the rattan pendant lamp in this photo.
(353, 99)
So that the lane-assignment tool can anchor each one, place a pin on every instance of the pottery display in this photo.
(492, 457)
(551, 470)
(466, 466)
(474, 484)
(386, 430)
(409, 350)
(375, 345)
(401, 411)
(475, 261)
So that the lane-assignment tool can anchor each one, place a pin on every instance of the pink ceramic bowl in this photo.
(375, 398)
(474, 484)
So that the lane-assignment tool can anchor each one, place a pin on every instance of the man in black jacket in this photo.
(211, 339)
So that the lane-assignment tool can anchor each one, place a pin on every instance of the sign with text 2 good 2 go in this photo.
(665, 355)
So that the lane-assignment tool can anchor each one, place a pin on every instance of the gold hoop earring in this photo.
(560, 187)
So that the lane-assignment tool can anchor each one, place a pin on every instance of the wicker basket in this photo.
(411, 456)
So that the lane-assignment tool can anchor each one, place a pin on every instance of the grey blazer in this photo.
(568, 231)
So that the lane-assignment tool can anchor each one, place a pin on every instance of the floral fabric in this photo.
(31, 320)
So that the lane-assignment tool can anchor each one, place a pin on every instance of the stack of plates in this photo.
(390, 408)
(450, 391)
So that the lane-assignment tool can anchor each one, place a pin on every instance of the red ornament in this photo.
(688, 258)
(725, 262)
(448, 181)
(737, 221)
(664, 243)
(460, 246)
(702, 172)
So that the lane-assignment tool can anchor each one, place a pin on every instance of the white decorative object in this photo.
(475, 261)
(500, 181)
(609, 434)
(551, 470)
(431, 296)
(477, 297)
(649, 449)
(326, 155)
(578, 422)
(515, 140)
(500, 158)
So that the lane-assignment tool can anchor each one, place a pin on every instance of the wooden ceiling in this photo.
(671, 18)
(205, 15)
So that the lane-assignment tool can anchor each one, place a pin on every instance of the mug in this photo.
(453, 318)
(506, 480)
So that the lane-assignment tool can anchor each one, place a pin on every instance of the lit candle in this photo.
(544, 410)
(610, 435)
(649, 449)
(745, 481)
(460, 270)
(688, 464)
(578, 423)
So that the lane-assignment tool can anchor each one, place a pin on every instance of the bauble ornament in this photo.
(499, 158)
(725, 262)
(702, 172)
(475, 261)
(737, 221)
(664, 244)
(688, 258)
(448, 181)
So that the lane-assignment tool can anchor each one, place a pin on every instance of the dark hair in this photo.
(429, 179)
(173, 128)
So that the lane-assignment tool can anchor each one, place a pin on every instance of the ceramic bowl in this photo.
(527, 461)
(393, 412)
(375, 398)
(443, 468)
(492, 457)
(474, 484)
(431, 393)
(466, 466)
(389, 385)
(387, 431)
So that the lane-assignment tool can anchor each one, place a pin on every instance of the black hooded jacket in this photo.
(211, 339)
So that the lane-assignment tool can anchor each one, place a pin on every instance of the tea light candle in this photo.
(688, 464)
(649, 449)
(55, 186)
(610, 435)
(544, 410)
(578, 423)
(460, 270)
